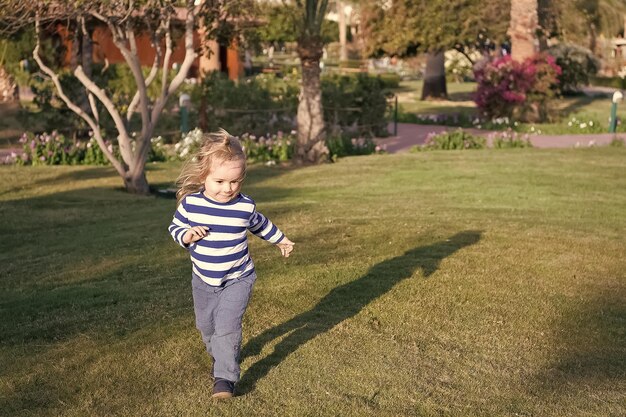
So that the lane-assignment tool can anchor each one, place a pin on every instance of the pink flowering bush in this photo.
(55, 149)
(518, 90)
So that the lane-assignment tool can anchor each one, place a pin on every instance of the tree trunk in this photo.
(135, 182)
(592, 38)
(343, 35)
(523, 29)
(435, 77)
(311, 146)
(8, 87)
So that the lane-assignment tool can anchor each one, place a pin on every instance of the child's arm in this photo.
(286, 247)
(195, 233)
(263, 227)
(182, 232)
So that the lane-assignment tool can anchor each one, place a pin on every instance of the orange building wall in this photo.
(235, 67)
(104, 48)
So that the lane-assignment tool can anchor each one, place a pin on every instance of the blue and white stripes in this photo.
(223, 253)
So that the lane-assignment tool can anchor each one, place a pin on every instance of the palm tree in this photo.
(524, 25)
(311, 147)
(343, 31)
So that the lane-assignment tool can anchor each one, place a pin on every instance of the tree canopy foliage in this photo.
(284, 23)
(577, 21)
(411, 26)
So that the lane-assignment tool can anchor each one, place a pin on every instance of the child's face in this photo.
(224, 180)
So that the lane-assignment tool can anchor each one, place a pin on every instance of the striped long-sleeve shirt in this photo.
(223, 253)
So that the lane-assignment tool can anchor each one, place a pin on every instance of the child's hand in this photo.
(285, 246)
(194, 234)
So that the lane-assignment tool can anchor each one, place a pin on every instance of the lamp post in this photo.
(617, 96)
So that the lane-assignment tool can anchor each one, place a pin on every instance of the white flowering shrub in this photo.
(581, 125)
(509, 139)
(458, 67)
(278, 147)
(189, 144)
(157, 151)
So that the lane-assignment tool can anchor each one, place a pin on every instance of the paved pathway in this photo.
(412, 134)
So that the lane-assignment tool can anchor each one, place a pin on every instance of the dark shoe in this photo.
(223, 388)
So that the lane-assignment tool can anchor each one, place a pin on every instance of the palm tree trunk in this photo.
(343, 51)
(435, 77)
(311, 146)
(524, 24)
(592, 38)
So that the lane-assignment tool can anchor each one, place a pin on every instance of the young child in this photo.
(211, 222)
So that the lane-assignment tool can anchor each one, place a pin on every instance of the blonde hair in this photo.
(217, 146)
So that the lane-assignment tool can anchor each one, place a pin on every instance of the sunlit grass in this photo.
(476, 283)
(582, 108)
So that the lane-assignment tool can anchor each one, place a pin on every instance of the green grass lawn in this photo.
(472, 283)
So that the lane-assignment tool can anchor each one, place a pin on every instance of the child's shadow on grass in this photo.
(346, 301)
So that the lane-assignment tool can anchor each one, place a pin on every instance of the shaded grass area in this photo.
(445, 283)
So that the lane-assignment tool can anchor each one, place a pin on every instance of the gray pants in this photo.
(219, 311)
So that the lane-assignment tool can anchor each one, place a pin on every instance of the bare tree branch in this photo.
(130, 34)
(133, 63)
(463, 51)
(71, 105)
(123, 137)
(151, 76)
(190, 56)
(168, 55)
(94, 108)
